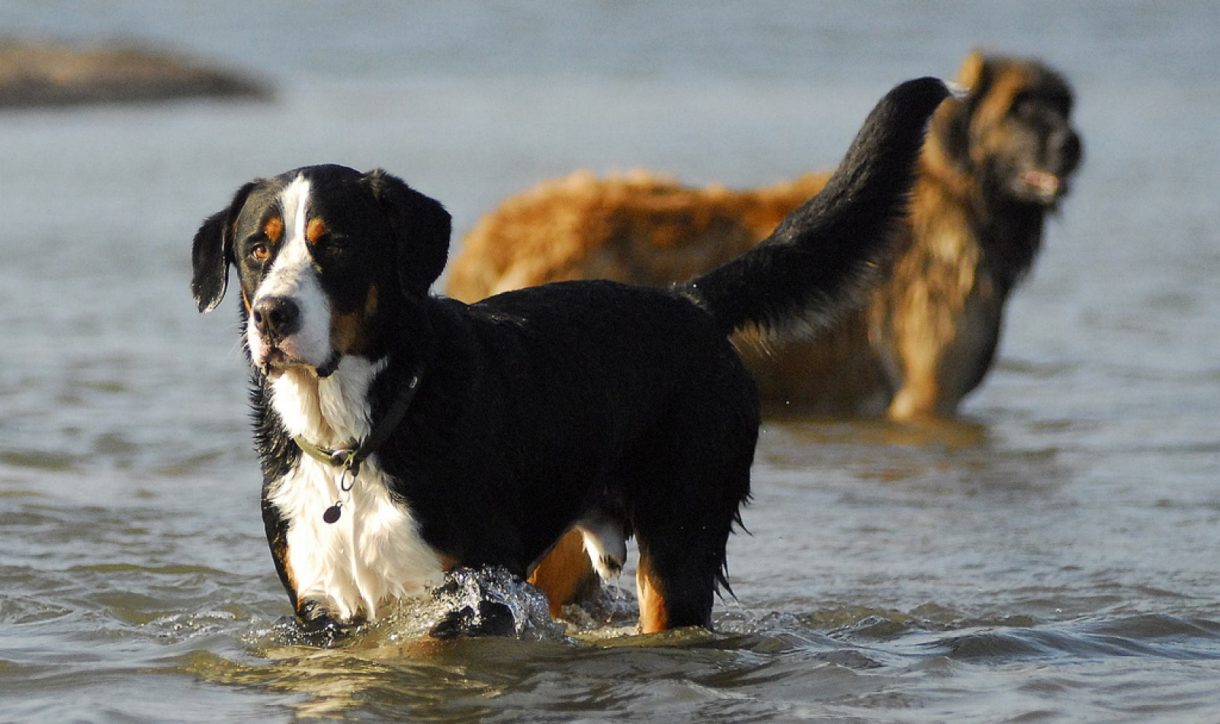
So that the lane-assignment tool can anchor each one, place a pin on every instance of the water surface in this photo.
(1050, 556)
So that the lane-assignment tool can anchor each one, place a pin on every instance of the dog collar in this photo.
(350, 457)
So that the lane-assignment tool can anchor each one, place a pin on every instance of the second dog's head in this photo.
(1013, 133)
(320, 252)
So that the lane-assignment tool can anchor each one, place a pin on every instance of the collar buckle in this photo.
(343, 457)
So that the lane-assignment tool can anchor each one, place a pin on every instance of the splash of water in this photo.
(469, 602)
(490, 600)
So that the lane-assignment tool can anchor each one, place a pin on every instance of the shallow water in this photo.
(1050, 556)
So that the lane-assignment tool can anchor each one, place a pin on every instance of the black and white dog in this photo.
(404, 435)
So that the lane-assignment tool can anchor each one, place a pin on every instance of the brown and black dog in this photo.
(992, 168)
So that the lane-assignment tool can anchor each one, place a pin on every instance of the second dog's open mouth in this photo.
(1044, 184)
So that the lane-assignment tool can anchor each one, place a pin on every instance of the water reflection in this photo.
(764, 665)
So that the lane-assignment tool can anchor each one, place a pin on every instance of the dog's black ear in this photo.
(212, 253)
(421, 229)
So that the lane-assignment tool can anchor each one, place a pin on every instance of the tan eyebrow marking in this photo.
(273, 228)
(315, 230)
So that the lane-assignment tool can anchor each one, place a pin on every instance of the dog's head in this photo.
(320, 252)
(1013, 131)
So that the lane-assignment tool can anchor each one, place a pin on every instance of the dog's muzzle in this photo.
(276, 319)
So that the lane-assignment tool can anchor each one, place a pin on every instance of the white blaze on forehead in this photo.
(293, 276)
(294, 204)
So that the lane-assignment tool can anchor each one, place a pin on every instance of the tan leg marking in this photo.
(654, 612)
(565, 572)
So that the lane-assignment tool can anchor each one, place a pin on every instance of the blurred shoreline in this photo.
(50, 73)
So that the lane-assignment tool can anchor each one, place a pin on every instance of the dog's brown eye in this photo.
(260, 253)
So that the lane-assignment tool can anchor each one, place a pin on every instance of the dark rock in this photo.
(40, 74)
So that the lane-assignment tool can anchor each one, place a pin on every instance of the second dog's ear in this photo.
(212, 253)
(974, 73)
(421, 228)
(951, 124)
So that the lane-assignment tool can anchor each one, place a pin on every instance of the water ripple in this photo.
(1160, 636)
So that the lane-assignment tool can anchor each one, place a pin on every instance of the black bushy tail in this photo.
(818, 260)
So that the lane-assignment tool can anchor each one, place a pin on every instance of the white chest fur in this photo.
(373, 554)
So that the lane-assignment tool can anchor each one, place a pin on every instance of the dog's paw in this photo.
(317, 626)
(314, 626)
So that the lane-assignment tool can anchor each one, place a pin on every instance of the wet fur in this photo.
(610, 409)
(929, 332)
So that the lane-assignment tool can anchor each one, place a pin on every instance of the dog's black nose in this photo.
(276, 317)
(1067, 145)
(1070, 149)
